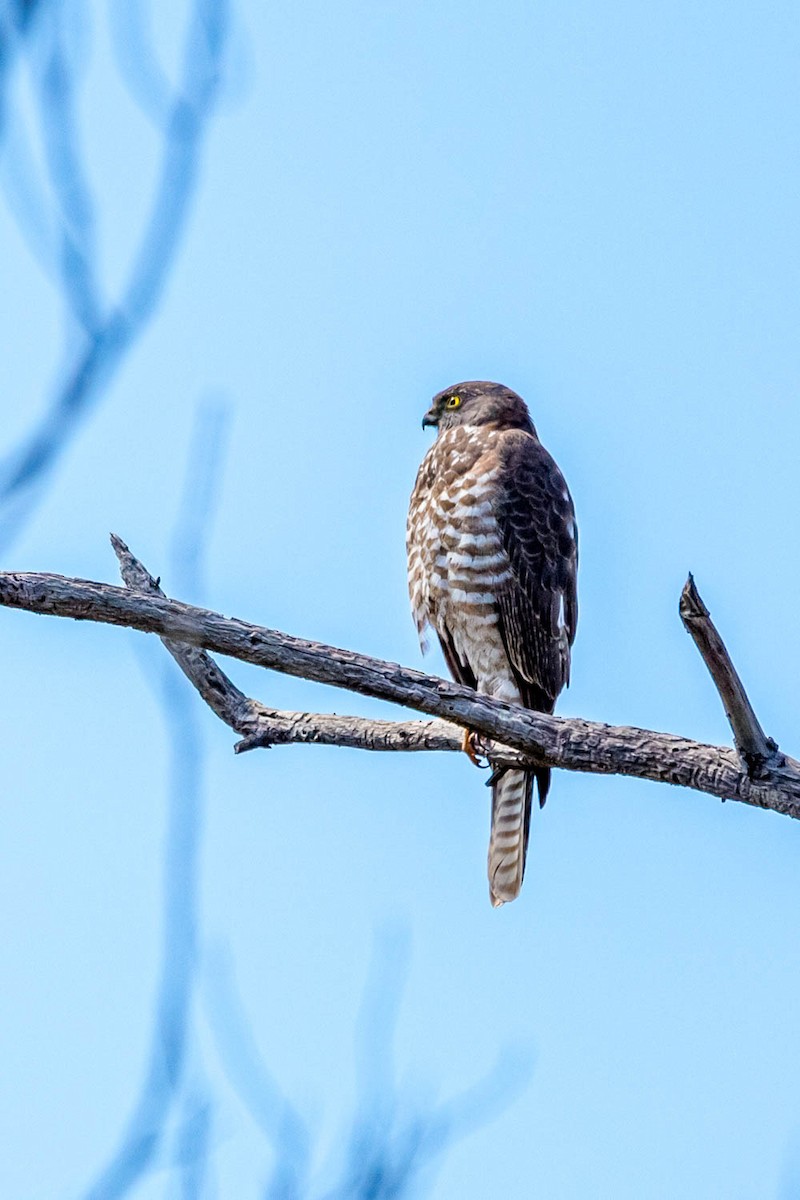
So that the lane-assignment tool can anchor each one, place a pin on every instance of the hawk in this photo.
(492, 566)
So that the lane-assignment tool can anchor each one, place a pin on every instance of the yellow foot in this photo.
(471, 745)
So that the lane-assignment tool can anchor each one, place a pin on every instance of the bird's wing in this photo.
(459, 669)
(539, 605)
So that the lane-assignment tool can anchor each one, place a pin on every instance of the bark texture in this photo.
(769, 781)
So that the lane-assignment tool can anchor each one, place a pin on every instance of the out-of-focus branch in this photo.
(109, 332)
(75, 216)
(16, 23)
(163, 1088)
(390, 1141)
(254, 1083)
(569, 743)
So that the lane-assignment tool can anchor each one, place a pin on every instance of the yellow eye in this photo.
(453, 401)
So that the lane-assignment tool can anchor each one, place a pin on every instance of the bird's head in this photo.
(478, 403)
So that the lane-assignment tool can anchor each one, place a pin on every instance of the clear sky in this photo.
(597, 204)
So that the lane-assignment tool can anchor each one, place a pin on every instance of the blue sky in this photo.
(595, 203)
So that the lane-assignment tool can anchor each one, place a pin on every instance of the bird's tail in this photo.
(511, 818)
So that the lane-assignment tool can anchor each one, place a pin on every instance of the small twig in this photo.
(222, 696)
(755, 748)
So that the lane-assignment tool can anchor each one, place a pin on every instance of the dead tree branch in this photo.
(262, 727)
(752, 743)
(570, 743)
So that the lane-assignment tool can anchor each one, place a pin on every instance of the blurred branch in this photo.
(387, 1147)
(254, 1083)
(138, 63)
(161, 1090)
(16, 22)
(69, 184)
(110, 331)
(391, 1138)
(572, 744)
(192, 1155)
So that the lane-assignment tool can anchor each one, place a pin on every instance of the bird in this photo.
(492, 550)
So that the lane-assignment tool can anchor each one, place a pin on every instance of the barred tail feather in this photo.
(508, 844)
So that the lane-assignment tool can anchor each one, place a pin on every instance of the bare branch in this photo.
(263, 727)
(222, 696)
(360, 733)
(570, 743)
(749, 738)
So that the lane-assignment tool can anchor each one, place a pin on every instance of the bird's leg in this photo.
(473, 747)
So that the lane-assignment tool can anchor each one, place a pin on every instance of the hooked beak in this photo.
(431, 418)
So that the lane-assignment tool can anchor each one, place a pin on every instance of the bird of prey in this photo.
(492, 567)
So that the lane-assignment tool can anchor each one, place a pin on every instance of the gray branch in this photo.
(752, 743)
(262, 727)
(568, 743)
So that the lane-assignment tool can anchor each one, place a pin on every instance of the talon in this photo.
(471, 745)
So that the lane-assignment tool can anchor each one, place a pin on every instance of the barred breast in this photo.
(456, 559)
(457, 564)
